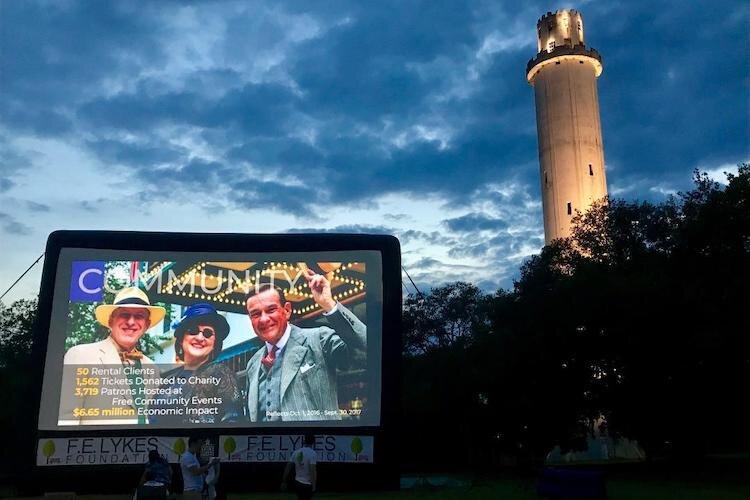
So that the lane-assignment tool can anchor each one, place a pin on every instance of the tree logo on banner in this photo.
(356, 448)
(229, 446)
(48, 449)
(179, 447)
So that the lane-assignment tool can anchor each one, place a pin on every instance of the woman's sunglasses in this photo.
(207, 334)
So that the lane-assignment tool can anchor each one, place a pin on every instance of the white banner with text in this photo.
(107, 450)
(280, 448)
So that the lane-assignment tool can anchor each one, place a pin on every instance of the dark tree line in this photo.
(642, 315)
(16, 322)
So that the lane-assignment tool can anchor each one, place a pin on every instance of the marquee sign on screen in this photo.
(187, 340)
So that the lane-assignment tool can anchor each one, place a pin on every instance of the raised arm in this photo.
(346, 325)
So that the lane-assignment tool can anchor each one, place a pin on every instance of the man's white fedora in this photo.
(129, 298)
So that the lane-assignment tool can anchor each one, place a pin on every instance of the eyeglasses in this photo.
(138, 316)
(207, 334)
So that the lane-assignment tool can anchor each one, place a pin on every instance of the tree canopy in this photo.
(640, 315)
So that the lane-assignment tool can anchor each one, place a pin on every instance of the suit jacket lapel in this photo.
(253, 374)
(108, 352)
(295, 352)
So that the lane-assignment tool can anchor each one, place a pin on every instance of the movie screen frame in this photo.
(366, 285)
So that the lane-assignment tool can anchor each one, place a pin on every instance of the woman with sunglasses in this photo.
(198, 341)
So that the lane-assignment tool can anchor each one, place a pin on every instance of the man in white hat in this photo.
(128, 318)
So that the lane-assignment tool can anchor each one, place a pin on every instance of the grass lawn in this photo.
(514, 490)
(511, 489)
(674, 490)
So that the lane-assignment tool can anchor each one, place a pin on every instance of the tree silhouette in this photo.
(16, 323)
(640, 316)
(448, 315)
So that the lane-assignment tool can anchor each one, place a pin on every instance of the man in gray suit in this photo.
(293, 377)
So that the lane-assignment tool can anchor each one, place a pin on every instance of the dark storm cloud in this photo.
(472, 250)
(485, 139)
(269, 195)
(362, 68)
(396, 217)
(430, 263)
(41, 122)
(93, 205)
(682, 88)
(429, 272)
(673, 94)
(12, 162)
(136, 155)
(197, 172)
(290, 155)
(504, 245)
(253, 110)
(220, 186)
(475, 222)
(9, 225)
(140, 111)
(346, 228)
(37, 207)
(350, 101)
(433, 237)
(425, 263)
(359, 169)
(55, 54)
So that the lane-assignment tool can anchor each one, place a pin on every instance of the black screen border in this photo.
(385, 435)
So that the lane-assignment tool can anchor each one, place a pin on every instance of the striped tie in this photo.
(270, 358)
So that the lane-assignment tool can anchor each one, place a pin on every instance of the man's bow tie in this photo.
(134, 355)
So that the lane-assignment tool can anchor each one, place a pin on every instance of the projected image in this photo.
(184, 343)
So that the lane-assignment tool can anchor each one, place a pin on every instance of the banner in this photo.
(280, 448)
(239, 449)
(107, 450)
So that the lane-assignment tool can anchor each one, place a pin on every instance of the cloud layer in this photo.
(294, 113)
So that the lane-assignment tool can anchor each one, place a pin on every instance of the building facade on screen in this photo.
(571, 155)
